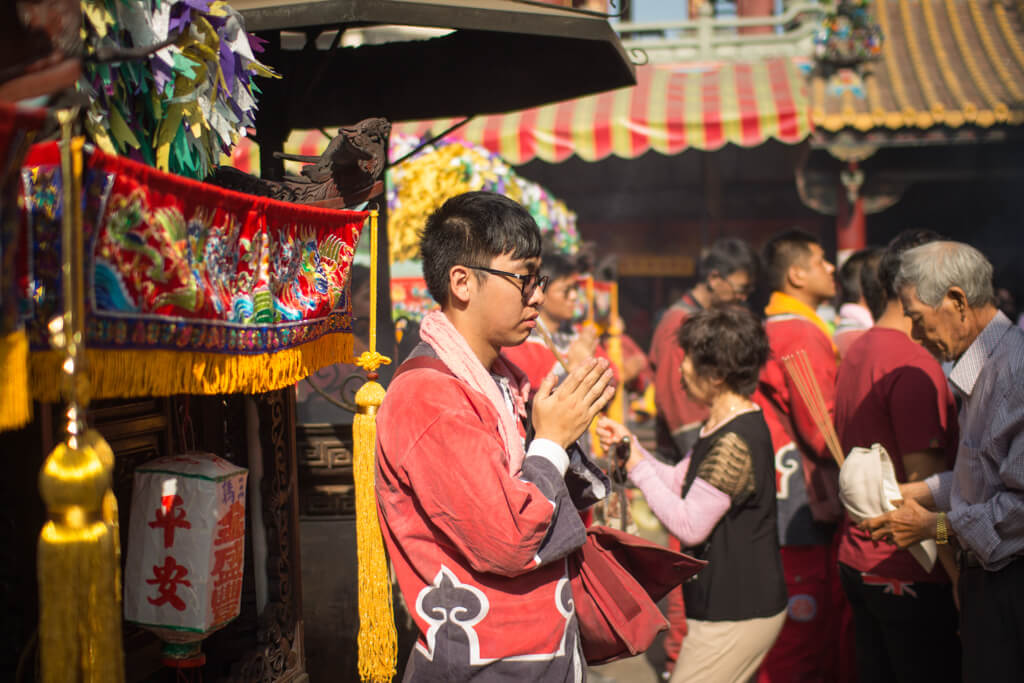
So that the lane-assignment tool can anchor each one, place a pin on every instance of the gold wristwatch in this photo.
(941, 529)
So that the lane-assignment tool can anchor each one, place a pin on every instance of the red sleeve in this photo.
(822, 358)
(445, 452)
(665, 342)
(921, 404)
(674, 406)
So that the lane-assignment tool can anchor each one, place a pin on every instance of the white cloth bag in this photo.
(867, 484)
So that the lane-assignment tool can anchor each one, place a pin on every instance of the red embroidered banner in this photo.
(210, 290)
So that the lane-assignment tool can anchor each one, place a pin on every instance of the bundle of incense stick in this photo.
(550, 343)
(799, 368)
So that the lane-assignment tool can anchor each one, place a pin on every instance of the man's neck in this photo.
(701, 294)
(803, 297)
(478, 344)
(982, 317)
(893, 319)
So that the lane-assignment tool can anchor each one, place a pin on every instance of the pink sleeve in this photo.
(673, 475)
(690, 519)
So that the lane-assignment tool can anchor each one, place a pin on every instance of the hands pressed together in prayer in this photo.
(562, 414)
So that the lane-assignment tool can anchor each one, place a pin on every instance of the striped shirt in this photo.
(985, 492)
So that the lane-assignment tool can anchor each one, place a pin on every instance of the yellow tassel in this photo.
(377, 640)
(15, 404)
(616, 409)
(79, 601)
(76, 562)
(128, 374)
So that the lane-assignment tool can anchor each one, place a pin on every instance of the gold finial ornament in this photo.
(77, 560)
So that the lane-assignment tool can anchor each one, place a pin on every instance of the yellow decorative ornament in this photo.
(377, 641)
(77, 561)
(616, 407)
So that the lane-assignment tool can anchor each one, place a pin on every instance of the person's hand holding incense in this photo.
(904, 526)
(563, 414)
(611, 433)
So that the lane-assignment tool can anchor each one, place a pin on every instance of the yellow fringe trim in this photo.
(377, 641)
(128, 374)
(15, 404)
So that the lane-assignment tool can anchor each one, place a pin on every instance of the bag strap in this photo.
(423, 362)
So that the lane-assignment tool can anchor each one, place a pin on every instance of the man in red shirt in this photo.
(727, 273)
(891, 391)
(807, 477)
(535, 357)
(854, 315)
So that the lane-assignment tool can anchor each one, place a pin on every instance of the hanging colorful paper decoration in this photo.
(186, 551)
(849, 36)
(190, 288)
(182, 106)
(421, 184)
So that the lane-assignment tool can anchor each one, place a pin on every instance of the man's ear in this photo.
(460, 285)
(796, 275)
(958, 297)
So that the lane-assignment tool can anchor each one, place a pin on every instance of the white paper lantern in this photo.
(186, 548)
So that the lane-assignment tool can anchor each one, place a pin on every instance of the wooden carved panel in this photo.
(325, 471)
(278, 656)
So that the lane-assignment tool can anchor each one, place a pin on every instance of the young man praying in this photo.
(476, 511)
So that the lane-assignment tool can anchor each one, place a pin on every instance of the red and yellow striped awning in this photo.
(669, 110)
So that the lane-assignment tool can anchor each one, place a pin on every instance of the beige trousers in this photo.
(725, 651)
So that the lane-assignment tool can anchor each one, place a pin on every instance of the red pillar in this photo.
(851, 225)
(755, 8)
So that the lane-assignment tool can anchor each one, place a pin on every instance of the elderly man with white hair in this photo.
(946, 291)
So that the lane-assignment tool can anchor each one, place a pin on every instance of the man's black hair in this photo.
(557, 265)
(470, 230)
(728, 256)
(871, 286)
(850, 290)
(889, 266)
(783, 252)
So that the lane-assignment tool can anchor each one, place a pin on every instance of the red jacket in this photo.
(675, 407)
(806, 475)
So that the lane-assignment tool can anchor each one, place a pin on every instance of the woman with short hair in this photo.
(720, 501)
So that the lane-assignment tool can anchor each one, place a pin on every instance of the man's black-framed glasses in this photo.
(528, 283)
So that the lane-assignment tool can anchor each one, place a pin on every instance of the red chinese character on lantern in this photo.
(224, 599)
(231, 526)
(167, 579)
(170, 516)
(227, 561)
